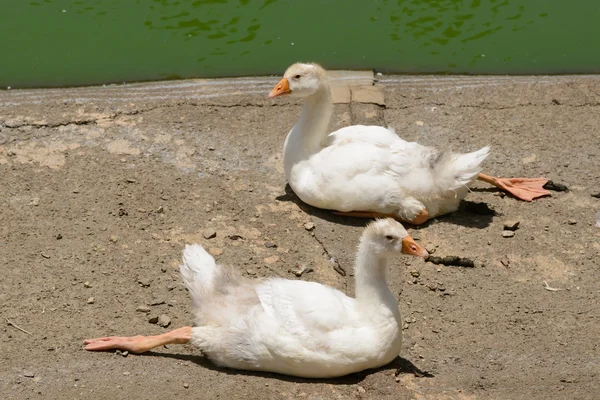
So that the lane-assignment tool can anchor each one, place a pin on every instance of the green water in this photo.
(66, 42)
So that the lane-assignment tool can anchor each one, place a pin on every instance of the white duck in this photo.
(290, 327)
(369, 171)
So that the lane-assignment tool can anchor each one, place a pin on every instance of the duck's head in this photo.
(388, 236)
(301, 79)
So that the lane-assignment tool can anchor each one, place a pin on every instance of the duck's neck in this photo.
(306, 138)
(370, 277)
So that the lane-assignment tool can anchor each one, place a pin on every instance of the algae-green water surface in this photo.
(67, 42)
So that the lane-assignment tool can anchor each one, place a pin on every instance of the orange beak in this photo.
(410, 247)
(283, 87)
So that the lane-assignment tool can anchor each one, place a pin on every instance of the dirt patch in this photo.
(99, 196)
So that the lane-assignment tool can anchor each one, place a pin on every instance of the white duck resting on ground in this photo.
(291, 327)
(368, 171)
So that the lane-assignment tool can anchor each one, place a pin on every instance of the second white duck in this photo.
(369, 171)
(290, 327)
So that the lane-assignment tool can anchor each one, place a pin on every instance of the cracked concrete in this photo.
(105, 185)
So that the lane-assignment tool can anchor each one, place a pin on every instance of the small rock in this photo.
(130, 180)
(215, 251)
(596, 195)
(361, 389)
(28, 374)
(419, 123)
(90, 300)
(270, 245)
(397, 379)
(309, 226)
(160, 210)
(170, 286)
(505, 261)
(415, 273)
(511, 225)
(186, 385)
(153, 319)
(114, 239)
(572, 222)
(125, 353)
(508, 234)
(144, 282)
(250, 272)
(156, 302)
(431, 248)
(164, 321)
(59, 236)
(163, 269)
(211, 148)
(45, 255)
(555, 186)
(35, 201)
(10, 153)
(87, 285)
(209, 233)
(126, 373)
(235, 237)
(302, 269)
(144, 309)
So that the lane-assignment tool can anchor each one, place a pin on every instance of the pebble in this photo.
(126, 373)
(144, 309)
(361, 389)
(572, 222)
(302, 269)
(90, 300)
(171, 286)
(511, 225)
(508, 234)
(125, 353)
(28, 374)
(153, 319)
(309, 226)
(415, 273)
(156, 302)
(160, 210)
(87, 285)
(59, 236)
(431, 248)
(143, 282)
(186, 385)
(130, 180)
(35, 201)
(209, 233)
(270, 245)
(235, 237)
(114, 239)
(505, 261)
(45, 255)
(215, 251)
(164, 321)
(250, 272)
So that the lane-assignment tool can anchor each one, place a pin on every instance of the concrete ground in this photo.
(103, 186)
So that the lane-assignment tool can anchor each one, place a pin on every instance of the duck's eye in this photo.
(297, 76)
(389, 237)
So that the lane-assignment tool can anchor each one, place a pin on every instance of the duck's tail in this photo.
(453, 171)
(202, 276)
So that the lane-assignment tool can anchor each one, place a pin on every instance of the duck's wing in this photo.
(306, 309)
(376, 135)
